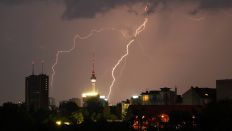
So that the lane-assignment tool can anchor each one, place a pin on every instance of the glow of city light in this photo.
(89, 94)
(135, 97)
(102, 97)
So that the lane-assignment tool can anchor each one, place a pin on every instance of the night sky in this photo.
(185, 43)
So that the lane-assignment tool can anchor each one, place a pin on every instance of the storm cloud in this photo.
(13, 2)
(19, 2)
(215, 4)
(90, 8)
(82, 9)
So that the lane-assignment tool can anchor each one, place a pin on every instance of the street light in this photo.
(58, 122)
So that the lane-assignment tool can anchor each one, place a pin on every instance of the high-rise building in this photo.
(36, 91)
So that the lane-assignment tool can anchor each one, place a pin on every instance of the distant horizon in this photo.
(172, 88)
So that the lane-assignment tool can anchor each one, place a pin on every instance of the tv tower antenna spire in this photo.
(93, 76)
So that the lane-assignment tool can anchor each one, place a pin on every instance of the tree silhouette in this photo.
(67, 108)
(14, 116)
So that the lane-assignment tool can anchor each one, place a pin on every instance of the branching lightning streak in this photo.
(78, 36)
(196, 19)
(137, 32)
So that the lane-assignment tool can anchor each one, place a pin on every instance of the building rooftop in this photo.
(205, 92)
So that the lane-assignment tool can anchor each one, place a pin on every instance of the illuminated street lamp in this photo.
(67, 123)
(58, 122)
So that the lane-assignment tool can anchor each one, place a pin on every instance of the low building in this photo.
(163, 97)
(124, 107)
(199, 96)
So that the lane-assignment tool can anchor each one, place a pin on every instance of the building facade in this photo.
(36, 93)
(163, 97)
(199, 96)
(224, 89)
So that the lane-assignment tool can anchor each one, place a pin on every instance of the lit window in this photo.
(145, 98)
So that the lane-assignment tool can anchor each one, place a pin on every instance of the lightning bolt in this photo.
(92, 32)
(78, 36)
(137, 32)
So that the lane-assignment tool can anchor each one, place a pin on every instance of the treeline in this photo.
(68, 117)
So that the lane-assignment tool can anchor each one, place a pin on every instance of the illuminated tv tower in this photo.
(93, 83)
(93, 97)
(93, 78)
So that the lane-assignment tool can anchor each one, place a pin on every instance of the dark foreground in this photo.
(14, 117)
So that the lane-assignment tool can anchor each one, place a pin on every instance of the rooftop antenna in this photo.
(42, 64)
(93, 60)
(33, 66)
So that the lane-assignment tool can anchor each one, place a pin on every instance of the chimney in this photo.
(175, 90)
